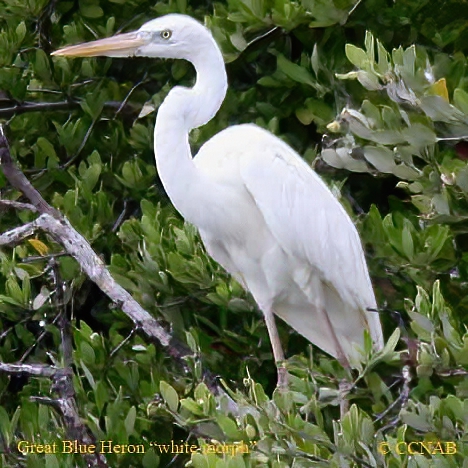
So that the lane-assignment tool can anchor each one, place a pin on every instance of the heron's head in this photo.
(171, 36)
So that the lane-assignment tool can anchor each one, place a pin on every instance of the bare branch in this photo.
(57, 226)
(127, 97)
(23, 107)
(77, 246)
(63, 384)
(17, 108)
(18, 205)
(15, 236)
(36, 370)
(68, 410)
(452, 373)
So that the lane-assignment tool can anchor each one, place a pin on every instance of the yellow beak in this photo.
(120, 45)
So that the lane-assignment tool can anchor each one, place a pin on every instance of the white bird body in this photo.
(262, 212)
(267, 237)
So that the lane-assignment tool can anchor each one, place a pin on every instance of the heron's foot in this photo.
(283, 378)
(344, 388)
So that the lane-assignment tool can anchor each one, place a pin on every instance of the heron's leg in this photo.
(344, 388)
(345, 385)
(278, 353)
(340, 354)
(311, 285)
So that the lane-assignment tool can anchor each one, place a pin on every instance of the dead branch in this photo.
(63, 383)
(65, 404)
(78, 247)
(17, 108)
(32, 370)
(18, 205)
(57, 226)
(54, 224)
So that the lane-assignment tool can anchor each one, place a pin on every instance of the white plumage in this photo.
(262, 212)
(293, 243)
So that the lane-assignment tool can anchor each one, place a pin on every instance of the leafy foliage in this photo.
(375, 95)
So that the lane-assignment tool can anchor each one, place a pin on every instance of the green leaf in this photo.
(331, 157)
(21, 32)
(439, 110)
(228, 426)
(192, 406)
(369, 43)
(460, 98)
(199, 461)
(419, 135)
(416, 421)
(407, 242)
(369, 80)
(88, 375)
(51, 461)
(5, 425)
(47, 147)
(356, 56)
(381, 158)
(101, 395)
(87, 353)
(409, 60)
(42, 66)
(91, 11)
(295, 72)
(93, 104)
(383, 62)
(315, 110)
(91, 176)
(170, 396)
(130, 421)
(314, 60)
(201, 392)
(238, 462)
(13, 290)
(407, 173)
(391, 343)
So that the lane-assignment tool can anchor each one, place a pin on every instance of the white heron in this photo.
(261, 211)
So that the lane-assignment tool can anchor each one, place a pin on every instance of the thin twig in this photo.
(121, 345)
(121, 218)
(27, 106)
(37, 341)
(129, 94)
(82, 145)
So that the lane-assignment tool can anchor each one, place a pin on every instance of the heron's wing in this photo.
(311, 225)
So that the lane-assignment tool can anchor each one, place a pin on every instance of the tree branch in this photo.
(32, 370)
(27, 106)
(58, 227)
(18, 205)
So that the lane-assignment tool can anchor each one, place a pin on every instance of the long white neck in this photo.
(183, 110)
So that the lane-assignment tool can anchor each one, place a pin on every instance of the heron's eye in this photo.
(166, 34)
